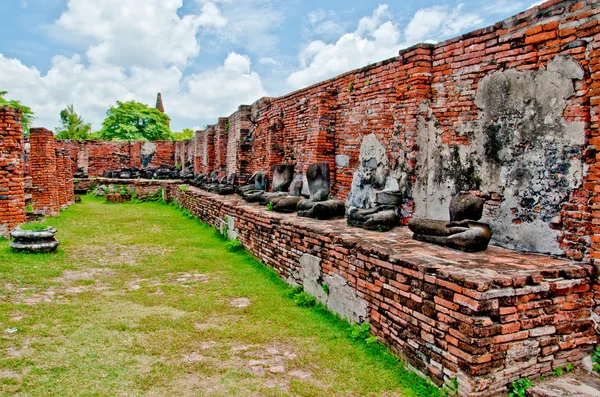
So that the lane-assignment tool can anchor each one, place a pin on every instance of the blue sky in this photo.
(207, 56)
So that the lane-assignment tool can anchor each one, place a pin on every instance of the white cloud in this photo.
(268, 61)
(437, 23)
(324, 24)
(211, 16)
(203, 96)
(250, 24)
(537, 3)
(147, 33)
(375, 39)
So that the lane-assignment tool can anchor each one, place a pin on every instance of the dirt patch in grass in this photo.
(240, 303)
(116, 254)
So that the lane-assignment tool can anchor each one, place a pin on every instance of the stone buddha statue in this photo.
(463, 232)
(319, 206)
(252, 192)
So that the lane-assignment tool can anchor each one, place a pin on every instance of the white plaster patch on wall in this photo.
(341, 299)
(148, 149)
(521, 148)
(227, 228)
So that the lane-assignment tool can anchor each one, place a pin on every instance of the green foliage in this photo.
(295, 291)
(569, 367)
(72, 126)
(225, 227)
(361, 333)
(227, 127)
(558, 372)
(596, 359)
(184, 188)
(135, 121)
(156, 197)
(123, 190)
(26, 112)
(351, 87)
(184, 135)
(234, 246)
(29, 208)
(451, 388)
(368, 83)
(35, 226)
(270, 206)
(304, 299)
(325, 288)
(519, 387)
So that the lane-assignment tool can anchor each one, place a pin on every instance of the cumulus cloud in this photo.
(375, 38)
(203, 96)
(439, 22)
(147, 33)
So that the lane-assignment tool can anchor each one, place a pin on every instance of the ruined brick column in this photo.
(43, 171)
(60, 178)
(12, 191)
(68, 175)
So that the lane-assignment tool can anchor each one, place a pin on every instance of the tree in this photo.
(73, 126)
(134, 121)
(26, 112)
(184, 135)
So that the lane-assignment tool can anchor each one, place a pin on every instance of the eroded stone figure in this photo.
(370, 205)
(289, 203)
(252, 192)
(463, 232)
(228, 187)
(283, 176)
(319, 206)
(211, 182)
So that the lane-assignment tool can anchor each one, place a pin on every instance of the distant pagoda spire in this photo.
(159, 103)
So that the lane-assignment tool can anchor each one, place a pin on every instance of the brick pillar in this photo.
(12, 189)
(60, 178)
(221, 132)
(68, 175)
(239, 144)
(43, 171)
(320, 143)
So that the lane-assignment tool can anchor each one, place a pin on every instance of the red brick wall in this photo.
(45, 189)
(60, 178)
(99, 156)
(12, 192)
(422, 107)
(221, 139)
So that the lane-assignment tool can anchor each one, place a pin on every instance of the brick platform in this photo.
(141, 187)
(486, 318)
(12, 189)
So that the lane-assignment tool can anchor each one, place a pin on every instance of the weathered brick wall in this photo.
(95, 157)
(45, 189)
(221, 140)
(239, 144)
(60, 177)
(508, 112)
(486, 319)
(12, 191)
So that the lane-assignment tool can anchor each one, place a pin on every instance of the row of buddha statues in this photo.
(309, 196)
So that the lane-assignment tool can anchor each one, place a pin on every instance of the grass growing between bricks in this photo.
(141, 301)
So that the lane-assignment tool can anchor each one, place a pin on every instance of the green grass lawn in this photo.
(142, 301)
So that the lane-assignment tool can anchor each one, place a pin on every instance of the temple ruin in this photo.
(509, 113)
